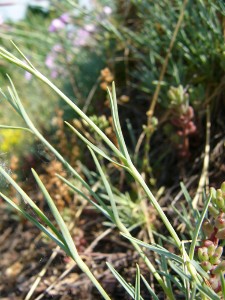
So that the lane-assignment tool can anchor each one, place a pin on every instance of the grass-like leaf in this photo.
(127, 286)
(108, 189)
(159, 250)
(116, 122)
(29, 201)
(189, 200)
(197, 229)
(137, 284)
(65, 232)
(208, 292)
(67, 237)
(15, 127)
(102, 207)
(36, 223)
(92, 146)
(222, 280)
(151, 292)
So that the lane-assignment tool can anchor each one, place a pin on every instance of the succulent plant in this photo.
(210, 252)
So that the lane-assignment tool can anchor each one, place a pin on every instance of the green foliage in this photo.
(133, 42)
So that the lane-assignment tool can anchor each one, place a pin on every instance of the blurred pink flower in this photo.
(54, 74)
(1, 20)
(50, 61)
(81, 38)
(28, 76)
(57, 48)
(56, 25)
(89, 27)
(107, 10)
(65, 18)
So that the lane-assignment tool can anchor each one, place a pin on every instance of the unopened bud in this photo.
(219, 268)
(213, 211)
(220, 221)
(207, 228)
(223, 187)
(215, 282)
(215, 258)
(206, 265)
(221, 234)
(207, 243)
(203, 254)
(219, 193)
(220, 202)
(211, 249)
(213, 193)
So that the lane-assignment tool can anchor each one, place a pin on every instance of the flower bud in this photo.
(221, 234)
(207, 228)
(215, 282)
(203, 254)
(215, 258)
(220, 221)
(223, 187)
(219, 193)
(211, 249)
(213, 194)
(219, 268)
(207, 243)
(220, 202)
(206, 265)
(213, 211)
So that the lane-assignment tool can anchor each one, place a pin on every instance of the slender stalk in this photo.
(165, 220)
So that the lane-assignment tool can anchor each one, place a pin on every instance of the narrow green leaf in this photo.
(28, 200)
(15, 127)
(179, 271)
(173, 278)
(165, 269)
(107, 187)
(159, 250)
(193, 292)
(199, 269)
(137, 284)
(208, 292)
(154, 297)
(188, 198)
(11, 101)
(127, 286)
(103, 208)
(37, 224)
(222, 280)
(116, 122)
(65, 232)
(24, 57)
(197, 229)
(92, 146)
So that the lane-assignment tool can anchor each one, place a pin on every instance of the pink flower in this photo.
(89, 27)
(107, 10)
(1, 20)
(81, 38)
(57, 48)
(54, 74)
(56, 25)
(65, 18)
(50, 61)
(28, 76)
